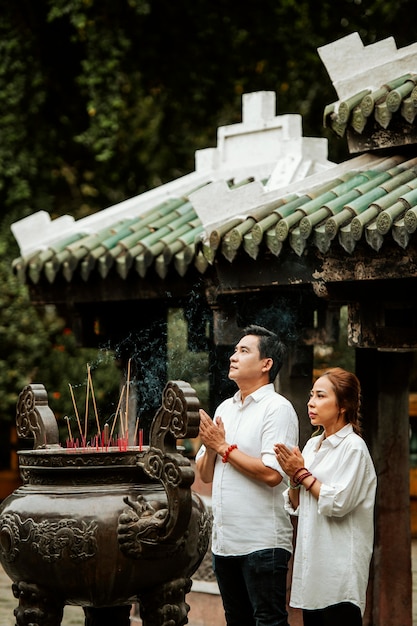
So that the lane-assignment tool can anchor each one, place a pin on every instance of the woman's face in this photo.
(323, 409)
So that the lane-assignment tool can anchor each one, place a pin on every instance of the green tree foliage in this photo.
(184, 364)
(37, 347)
(63, 369)
(337, 354)
(22, 338)
(102, 100)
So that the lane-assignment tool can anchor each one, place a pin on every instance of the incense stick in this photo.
(69, 427)
(93, 397)
(76, 410)
(127, 398)
(86, 413)
(136, 431)
(117, 410)
(105, 437)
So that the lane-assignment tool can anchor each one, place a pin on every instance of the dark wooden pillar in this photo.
(225, 331)
(385, 386)
(295, 380)
(221, 387)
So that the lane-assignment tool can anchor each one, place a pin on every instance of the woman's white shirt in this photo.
(335, 533)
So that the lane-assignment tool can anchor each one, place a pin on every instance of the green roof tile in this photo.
(396, 97)
(376, 199)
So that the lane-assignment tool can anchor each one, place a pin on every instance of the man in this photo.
(252, 533)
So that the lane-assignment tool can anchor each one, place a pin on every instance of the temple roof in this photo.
(163, 227)
(377, 90)
(372, 199)
(263, 189)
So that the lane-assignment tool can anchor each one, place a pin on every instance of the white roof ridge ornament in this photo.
(36, 231)
(353, 67)
(263, 144)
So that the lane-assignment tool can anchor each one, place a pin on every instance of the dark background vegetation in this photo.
(103, 100)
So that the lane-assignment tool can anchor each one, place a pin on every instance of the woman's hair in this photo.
(348, 394)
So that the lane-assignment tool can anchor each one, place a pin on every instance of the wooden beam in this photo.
(365, 264)
(374, 136)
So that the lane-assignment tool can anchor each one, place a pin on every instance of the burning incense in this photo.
(105, 438)
(69, 427)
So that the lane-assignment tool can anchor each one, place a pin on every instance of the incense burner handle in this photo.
(177, 418)
(35, 418)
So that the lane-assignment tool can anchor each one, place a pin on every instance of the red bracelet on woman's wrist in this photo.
(299, 479)
(225, 456)
(311, 484)
(300, 469)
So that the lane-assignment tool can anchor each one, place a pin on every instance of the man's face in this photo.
(245, 362)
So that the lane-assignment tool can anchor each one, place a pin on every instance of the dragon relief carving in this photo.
(51, 540)
(144, 524)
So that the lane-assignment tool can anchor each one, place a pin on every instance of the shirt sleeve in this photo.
(349, 486)
(280, 425)
(200, 452)
(288, 504)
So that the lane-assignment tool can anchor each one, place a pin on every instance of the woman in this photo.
(332, 491)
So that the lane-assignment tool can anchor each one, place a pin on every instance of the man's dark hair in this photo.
(270, 347)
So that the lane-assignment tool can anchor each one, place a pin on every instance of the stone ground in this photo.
(74, 616)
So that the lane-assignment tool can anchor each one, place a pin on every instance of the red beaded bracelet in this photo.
(300, 469)
(225, 456)
(311, 484)
(299, 479)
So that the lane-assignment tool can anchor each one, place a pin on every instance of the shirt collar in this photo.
(337, 438)
(256, 395)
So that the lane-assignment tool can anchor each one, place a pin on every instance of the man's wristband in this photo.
(225, 456)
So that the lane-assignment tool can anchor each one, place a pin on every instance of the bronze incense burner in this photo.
(104, 528)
